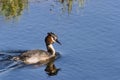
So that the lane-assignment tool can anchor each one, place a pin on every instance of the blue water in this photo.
(90, 40)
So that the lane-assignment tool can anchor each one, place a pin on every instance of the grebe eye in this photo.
(53, 37)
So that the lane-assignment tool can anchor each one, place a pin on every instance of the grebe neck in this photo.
(50, 49)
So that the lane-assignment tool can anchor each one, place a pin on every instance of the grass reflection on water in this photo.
(12, 8)
(68, 4)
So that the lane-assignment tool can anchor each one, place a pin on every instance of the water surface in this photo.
(89, 34)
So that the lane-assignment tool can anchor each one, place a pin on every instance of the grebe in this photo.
(40, 56)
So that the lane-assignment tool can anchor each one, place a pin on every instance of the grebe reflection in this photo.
(51, 69)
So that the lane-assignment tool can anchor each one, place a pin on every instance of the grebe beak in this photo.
(58, 41)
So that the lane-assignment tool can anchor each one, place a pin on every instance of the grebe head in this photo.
(51, 38)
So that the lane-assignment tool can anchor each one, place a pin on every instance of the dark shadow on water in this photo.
(7, 64)
(13, 51)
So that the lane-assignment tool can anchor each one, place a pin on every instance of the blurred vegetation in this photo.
(68, 4)
(12, 8)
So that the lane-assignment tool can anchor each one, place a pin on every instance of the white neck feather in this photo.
(52, 48)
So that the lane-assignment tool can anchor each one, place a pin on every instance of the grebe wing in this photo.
(34, 52)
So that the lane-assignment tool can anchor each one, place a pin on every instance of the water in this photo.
(89, 35)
